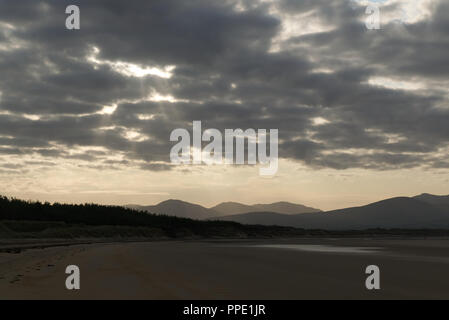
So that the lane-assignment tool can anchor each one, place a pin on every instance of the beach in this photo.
(231, 269)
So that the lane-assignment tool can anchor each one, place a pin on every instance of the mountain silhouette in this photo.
(400, 212)
(421, 212)
(441, 202)
(228, 208)
(179, 208)
(185, 209)
(284, 207)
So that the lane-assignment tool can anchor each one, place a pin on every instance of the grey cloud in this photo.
(226, 76)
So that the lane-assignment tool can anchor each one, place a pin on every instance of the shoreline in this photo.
(15, 246)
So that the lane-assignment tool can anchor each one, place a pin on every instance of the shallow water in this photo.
(321, 248)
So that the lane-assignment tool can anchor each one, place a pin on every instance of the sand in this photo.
(410, 269)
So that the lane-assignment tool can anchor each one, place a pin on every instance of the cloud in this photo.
(229, 68)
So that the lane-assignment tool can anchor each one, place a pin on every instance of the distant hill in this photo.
(180, 209)
(230, 208)
(401, 212)
(185, 209)
(441, 202)
(35, 220)
(285, 207)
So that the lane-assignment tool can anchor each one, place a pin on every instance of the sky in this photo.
(86, 115)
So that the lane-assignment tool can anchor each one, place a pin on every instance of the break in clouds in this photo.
(108, 95)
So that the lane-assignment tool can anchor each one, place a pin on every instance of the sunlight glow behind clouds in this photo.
(391, 83)
(130, 69)
(318, 121)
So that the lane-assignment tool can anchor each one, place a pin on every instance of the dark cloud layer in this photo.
(227, 75)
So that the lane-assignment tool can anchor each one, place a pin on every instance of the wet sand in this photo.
(265, 269)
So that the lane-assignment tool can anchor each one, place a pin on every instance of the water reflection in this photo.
(321, 248)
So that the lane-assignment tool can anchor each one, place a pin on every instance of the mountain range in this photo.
(227, 208)
(180, 209)
(185, 209)
(423, 211)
